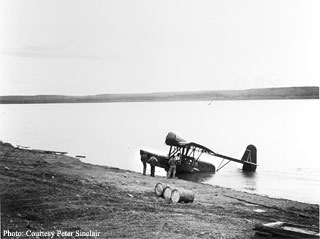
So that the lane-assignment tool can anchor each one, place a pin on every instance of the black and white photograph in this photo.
(159, 119)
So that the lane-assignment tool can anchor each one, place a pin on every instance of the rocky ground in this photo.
(43, 193)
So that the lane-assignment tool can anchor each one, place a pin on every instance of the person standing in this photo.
(172, 166)
(153, 161)
(144, 160)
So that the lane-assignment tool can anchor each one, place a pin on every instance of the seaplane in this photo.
(190, 153)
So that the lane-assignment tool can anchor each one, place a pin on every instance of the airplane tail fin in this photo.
(249, 159)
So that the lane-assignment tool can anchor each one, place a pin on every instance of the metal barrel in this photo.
(167, 193)
(159, 189)
(182, 195)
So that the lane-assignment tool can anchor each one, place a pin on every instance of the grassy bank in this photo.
(46, 192)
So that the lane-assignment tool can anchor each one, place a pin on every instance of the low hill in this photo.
(249, 94)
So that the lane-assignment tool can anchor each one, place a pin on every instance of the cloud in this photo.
(57, 52)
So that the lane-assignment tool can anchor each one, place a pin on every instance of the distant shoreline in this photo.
(280, 93)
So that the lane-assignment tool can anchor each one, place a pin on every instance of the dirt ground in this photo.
(43, 193)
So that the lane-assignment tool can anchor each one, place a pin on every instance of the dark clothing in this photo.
(152, 161)
(153, 168)
(144, 159)
(144, 168)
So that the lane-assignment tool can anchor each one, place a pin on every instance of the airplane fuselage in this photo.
(185, 165)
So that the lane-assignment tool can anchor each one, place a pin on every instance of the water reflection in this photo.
(249, 180)
(195, 177)
(248, 174)
(246, 179)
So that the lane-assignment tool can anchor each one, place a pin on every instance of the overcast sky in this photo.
(80, 47)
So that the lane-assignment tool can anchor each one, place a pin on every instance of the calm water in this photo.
(284, 132)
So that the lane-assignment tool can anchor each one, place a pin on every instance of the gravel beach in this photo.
(49, 195)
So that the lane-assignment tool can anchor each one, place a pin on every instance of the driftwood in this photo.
(22, 147)
(259, 204)
(266, 206)
(287, 230)
(46, 151)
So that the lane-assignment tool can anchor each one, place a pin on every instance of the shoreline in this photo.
(45, 191)
(276, 93)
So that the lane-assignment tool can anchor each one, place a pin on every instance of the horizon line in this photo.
(162, 92)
